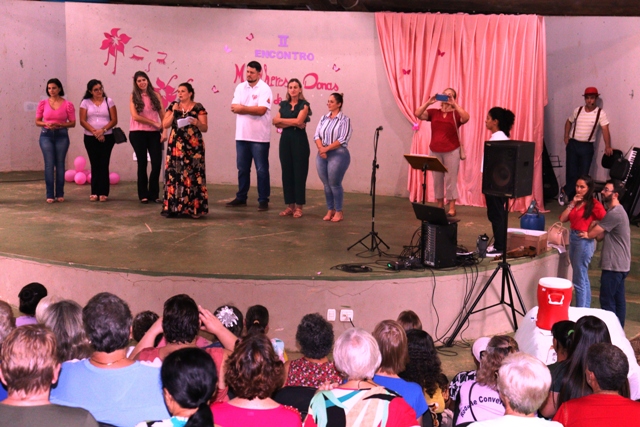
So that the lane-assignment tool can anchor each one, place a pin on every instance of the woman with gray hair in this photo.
(523, 384)
(359, 400)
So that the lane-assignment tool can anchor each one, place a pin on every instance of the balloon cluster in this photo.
(81, 176)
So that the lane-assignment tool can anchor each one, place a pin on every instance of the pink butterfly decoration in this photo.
(250, 37)
(214, 89)
(227, 48)
(335, 68)
(405, 72)
(416, 126)
(440, 53)
(114, 43)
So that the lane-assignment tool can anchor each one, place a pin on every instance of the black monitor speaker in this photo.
(507, 170)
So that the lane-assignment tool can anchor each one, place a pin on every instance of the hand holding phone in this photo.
(442, 98)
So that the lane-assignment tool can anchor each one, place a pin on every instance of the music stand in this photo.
(424, 163)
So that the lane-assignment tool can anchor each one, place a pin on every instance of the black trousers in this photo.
(498, 216)
(143, 141)
(99, 156)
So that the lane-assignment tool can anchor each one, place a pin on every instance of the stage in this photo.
(245, 257)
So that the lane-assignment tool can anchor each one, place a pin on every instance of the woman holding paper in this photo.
(185, 191)
(445, 143)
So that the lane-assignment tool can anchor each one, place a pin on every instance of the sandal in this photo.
(287, 212)
(103, 198)
(451, 214)
(329, 216)
(297, 213)
(93, 198)
(144, 201)
(60, 199)
(337, 217)
(50, 200)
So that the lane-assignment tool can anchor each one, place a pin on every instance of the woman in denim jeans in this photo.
(332, 136)
(580, 213)
(55, 115)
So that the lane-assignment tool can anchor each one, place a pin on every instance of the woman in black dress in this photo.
(294, 147)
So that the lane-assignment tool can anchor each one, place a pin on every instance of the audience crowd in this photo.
(98, 365)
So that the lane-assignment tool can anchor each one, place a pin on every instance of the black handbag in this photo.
(119, 136)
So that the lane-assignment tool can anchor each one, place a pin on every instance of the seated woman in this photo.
(569, 380)
(28, 367)
(362, 402)
(424, 368)
(257, 321)
(189, 382)
(392, 341)
(315, 339)
(479, 400)
(29, 296)
(114, 389)
(64, 318)
(180, 323)
(254, 372)
(7, 324)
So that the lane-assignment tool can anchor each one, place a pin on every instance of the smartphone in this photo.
(442, 98)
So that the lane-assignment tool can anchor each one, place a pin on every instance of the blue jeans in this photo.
(331, 171)
(246, 151)
(580, 253)
(54, 144)
(612, 293)
(579, 157)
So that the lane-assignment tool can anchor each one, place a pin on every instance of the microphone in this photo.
(379, 128)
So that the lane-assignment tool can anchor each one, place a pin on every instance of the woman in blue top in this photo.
(294, 147)
(332, 136)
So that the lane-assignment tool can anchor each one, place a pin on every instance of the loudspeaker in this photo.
(508, 168)
(439, 245)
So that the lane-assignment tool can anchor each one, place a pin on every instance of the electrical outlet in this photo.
(346, 315)
(331, 315)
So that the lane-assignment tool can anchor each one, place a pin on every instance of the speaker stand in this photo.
(376, 241)
(508, 284)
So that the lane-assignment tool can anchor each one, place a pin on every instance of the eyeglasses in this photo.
(606, 190)
(98, 89)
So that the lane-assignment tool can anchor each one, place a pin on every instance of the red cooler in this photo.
(554, 298)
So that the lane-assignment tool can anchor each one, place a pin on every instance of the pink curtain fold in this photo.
(490, 60)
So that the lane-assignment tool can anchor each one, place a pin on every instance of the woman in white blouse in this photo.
(332, 136)
(98, 116)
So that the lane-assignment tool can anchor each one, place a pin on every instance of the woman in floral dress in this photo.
(185, 191)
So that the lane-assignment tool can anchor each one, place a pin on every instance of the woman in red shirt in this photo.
(445, 144)
(580, 213)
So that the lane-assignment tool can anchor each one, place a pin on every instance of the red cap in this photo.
(591, 91)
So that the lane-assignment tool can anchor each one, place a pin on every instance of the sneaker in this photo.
(562, 197)
(263, 206)
(236, 203)
(493, 252)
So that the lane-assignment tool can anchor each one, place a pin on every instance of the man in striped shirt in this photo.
(579, 137)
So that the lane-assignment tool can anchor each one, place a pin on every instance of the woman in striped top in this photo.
(332, 136)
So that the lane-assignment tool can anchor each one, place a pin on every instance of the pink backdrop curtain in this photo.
(490, 60)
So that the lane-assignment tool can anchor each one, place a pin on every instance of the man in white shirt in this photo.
(580, 136)
(252, 106)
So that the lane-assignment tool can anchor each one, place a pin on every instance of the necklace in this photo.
(184, 113)
(106, 364)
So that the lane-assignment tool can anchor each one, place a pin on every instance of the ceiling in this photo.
(537, 7)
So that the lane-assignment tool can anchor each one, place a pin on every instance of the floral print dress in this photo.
(185, 190)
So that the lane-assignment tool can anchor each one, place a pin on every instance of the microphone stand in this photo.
(375, 239)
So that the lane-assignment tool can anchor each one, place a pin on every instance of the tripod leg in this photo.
(515, 287)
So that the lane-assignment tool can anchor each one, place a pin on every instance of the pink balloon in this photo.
(79, 163)
(80, 178)
(89, 177)
(114, 178)
(69, 175)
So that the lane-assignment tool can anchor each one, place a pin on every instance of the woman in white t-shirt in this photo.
(98, 116)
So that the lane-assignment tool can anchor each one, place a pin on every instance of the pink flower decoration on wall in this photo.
(166, 91)
(114, 43)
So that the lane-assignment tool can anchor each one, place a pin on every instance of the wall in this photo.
(32, 50)
(593, 51)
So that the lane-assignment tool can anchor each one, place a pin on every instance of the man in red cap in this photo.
(579, 137)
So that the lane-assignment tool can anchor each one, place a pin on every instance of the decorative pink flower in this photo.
(416, 126)
(166, 91)
(114, 43)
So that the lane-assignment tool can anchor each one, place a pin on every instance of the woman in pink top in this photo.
(146, 134)
(55, 115)
(254, 372)
(98, 115)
